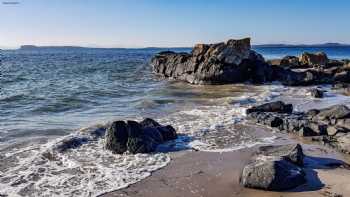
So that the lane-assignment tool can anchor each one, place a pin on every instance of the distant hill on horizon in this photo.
(34, 47)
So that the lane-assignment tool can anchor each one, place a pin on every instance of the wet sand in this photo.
(208, 174)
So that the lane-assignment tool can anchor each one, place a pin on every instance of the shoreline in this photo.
(200, 173)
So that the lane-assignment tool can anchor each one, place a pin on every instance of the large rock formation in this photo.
(136, 137)
(229, 62)
(330, 125)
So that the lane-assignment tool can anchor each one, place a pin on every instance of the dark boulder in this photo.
(272, 173)
(316, 93)
(277, 106)
(134, 137)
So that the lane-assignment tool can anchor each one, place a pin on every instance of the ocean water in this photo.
(47, 96)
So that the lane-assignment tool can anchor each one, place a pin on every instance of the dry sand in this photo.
(209, 174)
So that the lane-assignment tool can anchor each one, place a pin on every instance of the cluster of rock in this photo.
(134, 137)
(275, 168)
(330, 125)
(234, 62)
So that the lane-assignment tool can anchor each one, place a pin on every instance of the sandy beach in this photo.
(207, 174)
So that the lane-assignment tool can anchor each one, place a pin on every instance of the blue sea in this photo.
(49, 94)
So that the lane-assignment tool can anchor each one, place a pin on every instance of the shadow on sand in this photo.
(311, 164)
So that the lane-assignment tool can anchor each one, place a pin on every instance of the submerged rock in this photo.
(134, 137)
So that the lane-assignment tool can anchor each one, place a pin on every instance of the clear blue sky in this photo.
(139, 23)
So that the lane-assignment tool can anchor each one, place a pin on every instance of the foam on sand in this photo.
(85, 171)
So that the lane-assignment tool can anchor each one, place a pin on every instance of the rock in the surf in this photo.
(135, 137)
(227, 62)
(274, 168)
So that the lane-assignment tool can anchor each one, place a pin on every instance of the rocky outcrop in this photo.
(134, 137)
(331, 124)
(234, 62)
(275, 168)
(227, 62)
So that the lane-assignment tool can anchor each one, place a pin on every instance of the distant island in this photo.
(34, 47)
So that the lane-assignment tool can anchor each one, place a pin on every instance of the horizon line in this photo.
(17, 47)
